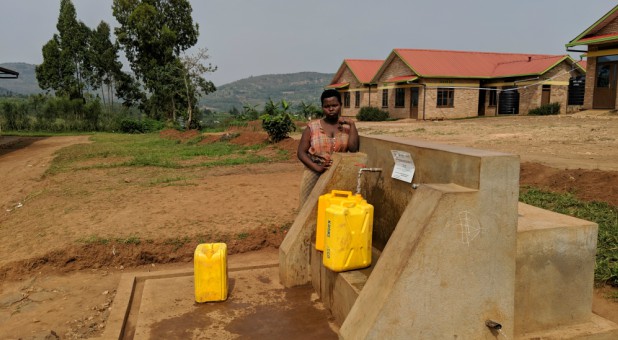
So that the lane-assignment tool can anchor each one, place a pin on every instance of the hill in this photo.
(293, 87)
(25, 84)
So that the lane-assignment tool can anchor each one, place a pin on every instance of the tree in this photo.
(194, 82)
(65, 62)
(104, 61)
(309, 111)
(153, 34)
(54, 73)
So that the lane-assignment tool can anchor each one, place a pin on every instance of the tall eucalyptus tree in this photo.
(153, 34)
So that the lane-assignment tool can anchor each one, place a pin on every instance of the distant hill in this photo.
(293, 87)
(26, 82)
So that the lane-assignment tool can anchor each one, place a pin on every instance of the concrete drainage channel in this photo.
(161, 305)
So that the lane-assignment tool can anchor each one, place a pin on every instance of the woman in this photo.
(323, 137)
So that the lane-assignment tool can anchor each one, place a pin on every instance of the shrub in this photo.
(277, 126)
(547, 109)
(129, 125)
(277, 121)
(372, 114)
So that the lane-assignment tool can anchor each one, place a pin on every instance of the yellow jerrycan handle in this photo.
(341, 193)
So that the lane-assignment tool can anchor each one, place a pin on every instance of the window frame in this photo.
(492, 100)
(357, 98)
(384, 98)
(400, 97)
(445, 97)
(346, 99)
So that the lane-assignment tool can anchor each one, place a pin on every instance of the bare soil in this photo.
(67, 238)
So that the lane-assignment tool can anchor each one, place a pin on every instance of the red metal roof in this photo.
(599, 37)
(364, 69)
(465, 64)
(337, 85)
(401, 79)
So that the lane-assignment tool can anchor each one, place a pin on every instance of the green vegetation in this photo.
(295, 88)
(605, 215)
(94, 239)
(277, 121)
(371, 114)
(133, 239)
(178, 242)
(547, 109)
(118, 150)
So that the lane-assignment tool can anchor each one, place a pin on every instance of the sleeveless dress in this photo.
(321, 148)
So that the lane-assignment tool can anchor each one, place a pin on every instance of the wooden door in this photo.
(414, 102)
(604, 96)
(545, 94)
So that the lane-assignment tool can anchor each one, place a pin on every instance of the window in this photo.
(603, 72)
(545, 94)
(400, 97)
(445, 97)
(385, 98)
(357, 99)
(492, 96)
(346, 99)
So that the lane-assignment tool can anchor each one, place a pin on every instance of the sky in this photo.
(256, 37)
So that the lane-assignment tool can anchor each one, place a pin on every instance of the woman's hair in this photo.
(328, 93)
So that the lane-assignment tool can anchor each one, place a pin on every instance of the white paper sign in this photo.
(404, 166)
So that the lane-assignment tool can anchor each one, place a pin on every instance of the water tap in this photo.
(360, 172)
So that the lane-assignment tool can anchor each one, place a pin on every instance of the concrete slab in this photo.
(161, 305)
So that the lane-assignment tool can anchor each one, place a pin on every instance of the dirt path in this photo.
(66, 238)
(565, 141)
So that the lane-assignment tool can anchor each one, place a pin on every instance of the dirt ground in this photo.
(67, 238)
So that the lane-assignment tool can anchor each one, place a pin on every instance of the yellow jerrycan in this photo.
(347, 240)
(324, 201)
(210, 272)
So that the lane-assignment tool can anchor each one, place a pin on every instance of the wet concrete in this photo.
(258, 307)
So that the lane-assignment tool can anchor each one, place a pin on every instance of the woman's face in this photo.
(331, 107)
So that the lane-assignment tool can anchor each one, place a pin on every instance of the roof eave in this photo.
(6, 73)
(592, 27)
(592, 41)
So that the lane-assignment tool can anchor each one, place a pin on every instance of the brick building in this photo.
(601, 40)
(353, 79)
(439, 84)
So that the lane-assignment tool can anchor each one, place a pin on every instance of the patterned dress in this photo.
(321, 148)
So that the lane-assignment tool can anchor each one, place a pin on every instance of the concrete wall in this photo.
(438, 273)
(555, 270)
(452, 253)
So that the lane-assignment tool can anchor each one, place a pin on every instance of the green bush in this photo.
(372, 114)
(129, 125)
(276, 121)
(547, 109)
(277, 126)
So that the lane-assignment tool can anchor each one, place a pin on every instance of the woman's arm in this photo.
(303, 153)
(353, 140)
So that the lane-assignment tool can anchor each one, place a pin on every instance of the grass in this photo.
(94, 239)
(149, 150)
(605, 215)
(129, 240)
(178, 242)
